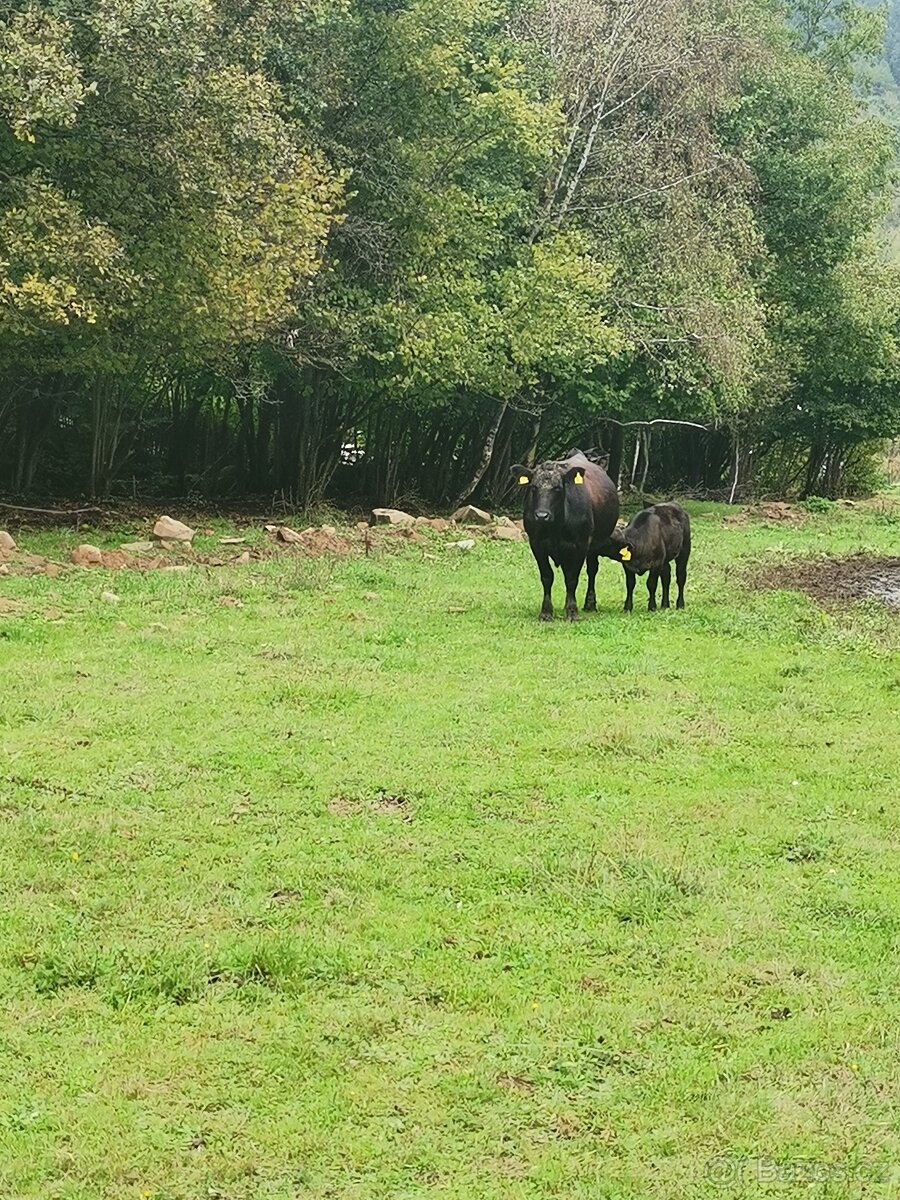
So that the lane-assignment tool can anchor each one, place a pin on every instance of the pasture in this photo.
(375, 887)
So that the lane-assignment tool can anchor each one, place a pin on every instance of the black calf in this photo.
(654, 539)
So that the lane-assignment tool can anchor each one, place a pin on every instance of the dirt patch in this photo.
(382, 803)
(832, 581)
(317, 542)
(516, 1083)
(774, 512)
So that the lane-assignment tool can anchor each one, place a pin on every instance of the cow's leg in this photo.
(543, 563)
(630, 578)
(572, 572)
(652, 580)
(590, 596)
(681, 576)
(665, 576)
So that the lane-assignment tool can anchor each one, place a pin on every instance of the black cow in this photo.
(571, 508)
(656, 537)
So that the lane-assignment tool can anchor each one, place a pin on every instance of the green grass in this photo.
(376, 887)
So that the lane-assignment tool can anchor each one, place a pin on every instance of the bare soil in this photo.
(832, 581)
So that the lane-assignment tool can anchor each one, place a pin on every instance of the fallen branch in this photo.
(657, 421)
(58, 512)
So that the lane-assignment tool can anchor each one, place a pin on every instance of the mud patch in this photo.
(831, 581)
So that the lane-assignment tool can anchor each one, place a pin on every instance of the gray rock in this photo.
(167, 529)
(470, 515)
(391, 516)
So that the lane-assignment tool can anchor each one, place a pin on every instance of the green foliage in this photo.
(179, 174)
(41, 79)
(235, 238)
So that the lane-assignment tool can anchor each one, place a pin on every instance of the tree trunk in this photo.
(485, 460)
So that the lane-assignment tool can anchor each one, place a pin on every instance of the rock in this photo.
(51, 570)
(86, 556)
(4, 569)
(167, 529)
(438, 524)
(470, 515)
(504, 523)
(463, 546)
(411, 536)
(138, 547)
(362, 525)
(507, 533)
(242, 559)
(328, 529)
(230, 602)
(109, 597)
(371, 596)
(7, 541)
(391, 516)
(283, 534)
(232, 541)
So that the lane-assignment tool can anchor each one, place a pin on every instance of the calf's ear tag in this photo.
(625, 554)
(523, 479)
(579, 478)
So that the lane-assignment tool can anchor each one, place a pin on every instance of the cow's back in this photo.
(604, 501)
(674, 526)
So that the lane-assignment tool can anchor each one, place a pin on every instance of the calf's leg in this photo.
(590, 596)
(629, 590)
(652, 580)
(665, 575)
(681, 576)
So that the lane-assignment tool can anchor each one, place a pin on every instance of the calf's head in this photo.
(620, 549)
(546, 486)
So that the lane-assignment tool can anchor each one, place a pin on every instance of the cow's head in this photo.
(547, 485)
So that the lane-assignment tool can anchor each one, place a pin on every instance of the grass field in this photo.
(376, 887)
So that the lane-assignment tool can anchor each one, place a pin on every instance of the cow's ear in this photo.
(522, 474)
(576, 475)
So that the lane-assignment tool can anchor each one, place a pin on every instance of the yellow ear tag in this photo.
(524, 479)
(579, 478)
(625, 554)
